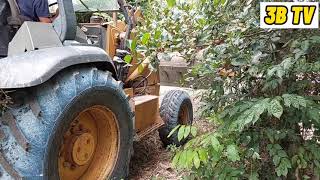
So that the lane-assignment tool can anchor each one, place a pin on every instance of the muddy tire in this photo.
(33, 131)
(176, 108)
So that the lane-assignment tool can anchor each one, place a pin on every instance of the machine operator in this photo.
(35, 10)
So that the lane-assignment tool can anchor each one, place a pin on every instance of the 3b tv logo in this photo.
(289, 15)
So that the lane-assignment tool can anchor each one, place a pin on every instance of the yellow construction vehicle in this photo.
(77, 106)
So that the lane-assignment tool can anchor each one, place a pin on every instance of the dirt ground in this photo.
(151, 160)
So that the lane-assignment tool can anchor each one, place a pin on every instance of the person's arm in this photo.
(42, 11)
(45, 20)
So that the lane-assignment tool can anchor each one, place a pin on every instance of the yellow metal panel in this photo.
(146, 111)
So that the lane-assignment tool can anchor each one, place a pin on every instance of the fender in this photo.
(36, 67)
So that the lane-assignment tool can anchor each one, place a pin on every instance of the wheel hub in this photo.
(83, 149)
(90, 146)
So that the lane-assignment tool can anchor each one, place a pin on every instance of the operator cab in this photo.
(65, 26)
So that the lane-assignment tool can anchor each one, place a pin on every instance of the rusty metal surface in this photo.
(155, 126)
(146, 110)
(34, 68)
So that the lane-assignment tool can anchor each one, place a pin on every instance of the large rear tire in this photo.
(176, 109)
(43, 135)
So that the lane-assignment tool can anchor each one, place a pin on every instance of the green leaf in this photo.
(182, 163)
(233, 153)
(282, 169)
(176, 159)
(133, 46)
(282, 154)
(286, 162)
(276, 160)
(181, 132)
(157, 35)
(216, 2)
(275, 108)
(203, 155)
(171, 3)
(288, 99)
(223, 2)
(145, 38)
(314, 114)
(215, 143)
(196, 160)
(294, 100)
(173, 131)
(187, 132)
(190, 154)
(128, 59)
(140, 68)
(194, 131)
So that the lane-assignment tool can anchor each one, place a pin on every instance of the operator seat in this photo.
(4, 28)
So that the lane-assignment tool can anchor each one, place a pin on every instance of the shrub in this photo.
(263, 92)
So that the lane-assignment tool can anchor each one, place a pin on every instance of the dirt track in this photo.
(151, 160)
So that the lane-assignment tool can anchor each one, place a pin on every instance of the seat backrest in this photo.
(4, 12)
(4, 29)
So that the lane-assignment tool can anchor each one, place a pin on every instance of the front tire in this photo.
(42, 140)
(176, 109)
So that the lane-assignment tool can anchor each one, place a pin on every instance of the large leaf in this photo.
(176, 159)
(233, 153)
(183, 160)
(145, 38)
(203, 155)
(294, 100)
(128, 59)
(173, 130)
(187, 132)
(252, 114)
(196, 160)
(275, 108)
(181, 132)
(194, 131)
(215, 143)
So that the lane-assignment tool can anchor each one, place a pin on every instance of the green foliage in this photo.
(262, 90)
(168, 26)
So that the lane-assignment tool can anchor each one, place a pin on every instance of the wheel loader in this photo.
(77, 106)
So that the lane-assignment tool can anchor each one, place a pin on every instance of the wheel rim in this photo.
(184, 115)
(90, 146)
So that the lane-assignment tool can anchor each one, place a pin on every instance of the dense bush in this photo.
(262, 92)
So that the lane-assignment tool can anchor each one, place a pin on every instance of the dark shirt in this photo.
(33, 9)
